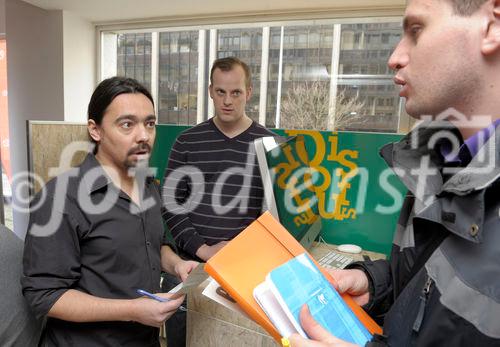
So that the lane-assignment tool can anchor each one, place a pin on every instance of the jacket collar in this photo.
(405, 157)
(447, 204)
(481, 172)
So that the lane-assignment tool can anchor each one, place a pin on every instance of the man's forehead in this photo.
(229, 81)
(234, 68)
(129, 104)
(426, 10)
(131, 100)
(421, 7)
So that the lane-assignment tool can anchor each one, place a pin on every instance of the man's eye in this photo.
(126, 125)
(151, 124)
(237, 93)
(415, 30)
(220, 92)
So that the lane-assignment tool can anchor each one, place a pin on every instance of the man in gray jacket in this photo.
(18, 326)
(441, 286)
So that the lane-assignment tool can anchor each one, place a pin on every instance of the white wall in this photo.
(79, 42)
(35, 77)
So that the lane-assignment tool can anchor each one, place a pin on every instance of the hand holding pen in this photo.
(158, 298)
(155, 309)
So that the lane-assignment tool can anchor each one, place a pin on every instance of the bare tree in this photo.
(307, 106)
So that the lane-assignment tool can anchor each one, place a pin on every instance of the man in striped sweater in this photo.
(212, 188)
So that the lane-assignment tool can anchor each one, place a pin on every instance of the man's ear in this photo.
(94, 130)
(491, 40)
(250, 91)
(211, 91)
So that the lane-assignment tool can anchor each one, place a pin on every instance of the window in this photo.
(366, 76)
(307, 57)
(302, 60)
(134, 57)
(178, 77)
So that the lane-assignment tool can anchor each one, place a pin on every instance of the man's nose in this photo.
(399, 58)
(143, 134)
(227, 99)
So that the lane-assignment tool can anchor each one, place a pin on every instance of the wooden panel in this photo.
(47, 142)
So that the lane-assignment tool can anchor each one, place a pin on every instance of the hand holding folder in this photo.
(245, 262)
(299, 282)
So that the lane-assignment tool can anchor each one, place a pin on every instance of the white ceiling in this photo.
(102, 11)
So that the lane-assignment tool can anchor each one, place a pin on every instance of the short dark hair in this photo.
(466, 7)
(107, 91)
(227, 64)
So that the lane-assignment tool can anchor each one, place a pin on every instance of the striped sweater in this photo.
(212, 188)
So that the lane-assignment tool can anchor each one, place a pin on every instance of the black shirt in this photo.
(97, 246)
(230, 196)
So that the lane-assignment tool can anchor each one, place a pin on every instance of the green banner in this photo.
(359, 198)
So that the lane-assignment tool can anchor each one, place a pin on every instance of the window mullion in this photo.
(264, 75)
(334, 76)
(202, 83)
(212, 56)
(155, 67)
(280, 78)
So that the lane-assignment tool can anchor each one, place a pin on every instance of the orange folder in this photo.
(246, 260)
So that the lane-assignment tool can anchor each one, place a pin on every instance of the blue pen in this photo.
(152, 296)
(157, 298)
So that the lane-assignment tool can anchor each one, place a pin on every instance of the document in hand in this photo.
(297, 282)
(194, 279)
(246, 260)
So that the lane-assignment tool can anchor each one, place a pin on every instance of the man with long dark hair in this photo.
(96, 234)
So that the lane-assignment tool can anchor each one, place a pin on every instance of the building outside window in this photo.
(364, 74)
(307, 57)
(134, 57)
(342, 65)
(178, 76)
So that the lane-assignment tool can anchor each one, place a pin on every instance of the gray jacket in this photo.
(442, 284)
(18, 325)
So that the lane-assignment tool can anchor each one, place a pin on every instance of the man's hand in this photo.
(154, 313)
(184, 267)
(206, 252)
(319, 337)
(353, 282)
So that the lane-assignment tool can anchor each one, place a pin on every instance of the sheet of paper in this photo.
(195, 278)
(268, 302)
